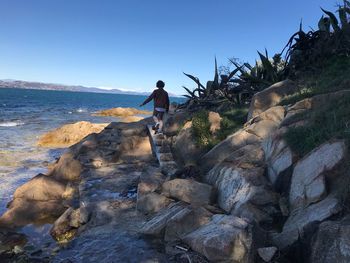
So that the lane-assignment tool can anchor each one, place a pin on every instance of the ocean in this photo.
(27, 114)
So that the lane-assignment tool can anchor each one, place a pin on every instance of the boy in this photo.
(161, 105)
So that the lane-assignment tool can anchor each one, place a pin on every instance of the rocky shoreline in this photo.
(248, 199)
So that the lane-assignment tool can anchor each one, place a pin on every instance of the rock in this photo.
(22, 212)
(121, 112)
(267, 253)
(186, 221)
(300, 219)
(129, 119)
(41, 188)
(308, 182)
(215, 121)
(152, 202)
(174, 123)
(331, 243)
(223, 239)
(278, 157)
(10, 240)
(185, 149)
(270, 97)
(275, 114)
(156, 226)
(65, 226)
(68, 168)
(225, 148)
(189, 191)
(69, 134)
(239, 180)
(262, 129)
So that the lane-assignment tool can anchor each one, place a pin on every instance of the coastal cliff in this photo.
(249, 198)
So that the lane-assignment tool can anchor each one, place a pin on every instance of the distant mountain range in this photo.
(19, 84)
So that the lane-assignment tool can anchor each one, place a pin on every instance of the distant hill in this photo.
(19, 84)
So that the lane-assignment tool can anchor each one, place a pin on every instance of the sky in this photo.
(130, 44)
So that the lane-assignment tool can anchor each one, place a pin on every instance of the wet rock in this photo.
(22, 212)
(68, 168)
(331, 243)
(41, 188)
(65, 226)
(300, 219)
(308, 182)
(267, 253)
(152, 202)
(10, 240)
(224, 238)
(189, 191)
(187, 220)
(270, 97)
(69, 134)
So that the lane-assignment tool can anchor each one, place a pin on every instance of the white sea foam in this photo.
(81, 110)
(11, 124)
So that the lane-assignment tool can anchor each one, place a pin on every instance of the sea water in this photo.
(25, 115)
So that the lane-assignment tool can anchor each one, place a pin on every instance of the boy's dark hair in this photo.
(160, 84)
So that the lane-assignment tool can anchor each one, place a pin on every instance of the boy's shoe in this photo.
(155, 126)
(158, 132)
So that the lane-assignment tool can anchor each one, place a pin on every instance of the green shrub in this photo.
(330, 122)
(232, 120)
(331, 76)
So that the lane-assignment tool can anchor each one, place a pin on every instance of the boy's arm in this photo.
(148, 99)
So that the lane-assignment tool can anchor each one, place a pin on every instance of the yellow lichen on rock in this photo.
(70, 134)
(121, 112)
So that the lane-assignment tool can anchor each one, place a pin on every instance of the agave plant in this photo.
(331, 38)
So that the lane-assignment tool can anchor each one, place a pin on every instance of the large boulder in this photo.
(185, 148)
(189, 191)
(270, 97)
(279, 158)
(224, 149)
(66, 225)
(187, 220)
(300, 219)
(223, 239)
(240, 180)
(69, 134)
(308, 179)
(68, 168)
(173, 123)
(121, 112)
(152, 202)
(156, 226)
(22, 212)
(331, 243)
(41, 188)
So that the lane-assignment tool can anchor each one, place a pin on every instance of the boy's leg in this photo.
(156, 120)
(160, 119)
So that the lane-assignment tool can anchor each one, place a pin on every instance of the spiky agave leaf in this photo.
(333, 19)
(189, 92)
(215, 84)
(324, 24)
(195, 79)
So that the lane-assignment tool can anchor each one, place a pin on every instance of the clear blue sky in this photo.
(130, 44)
